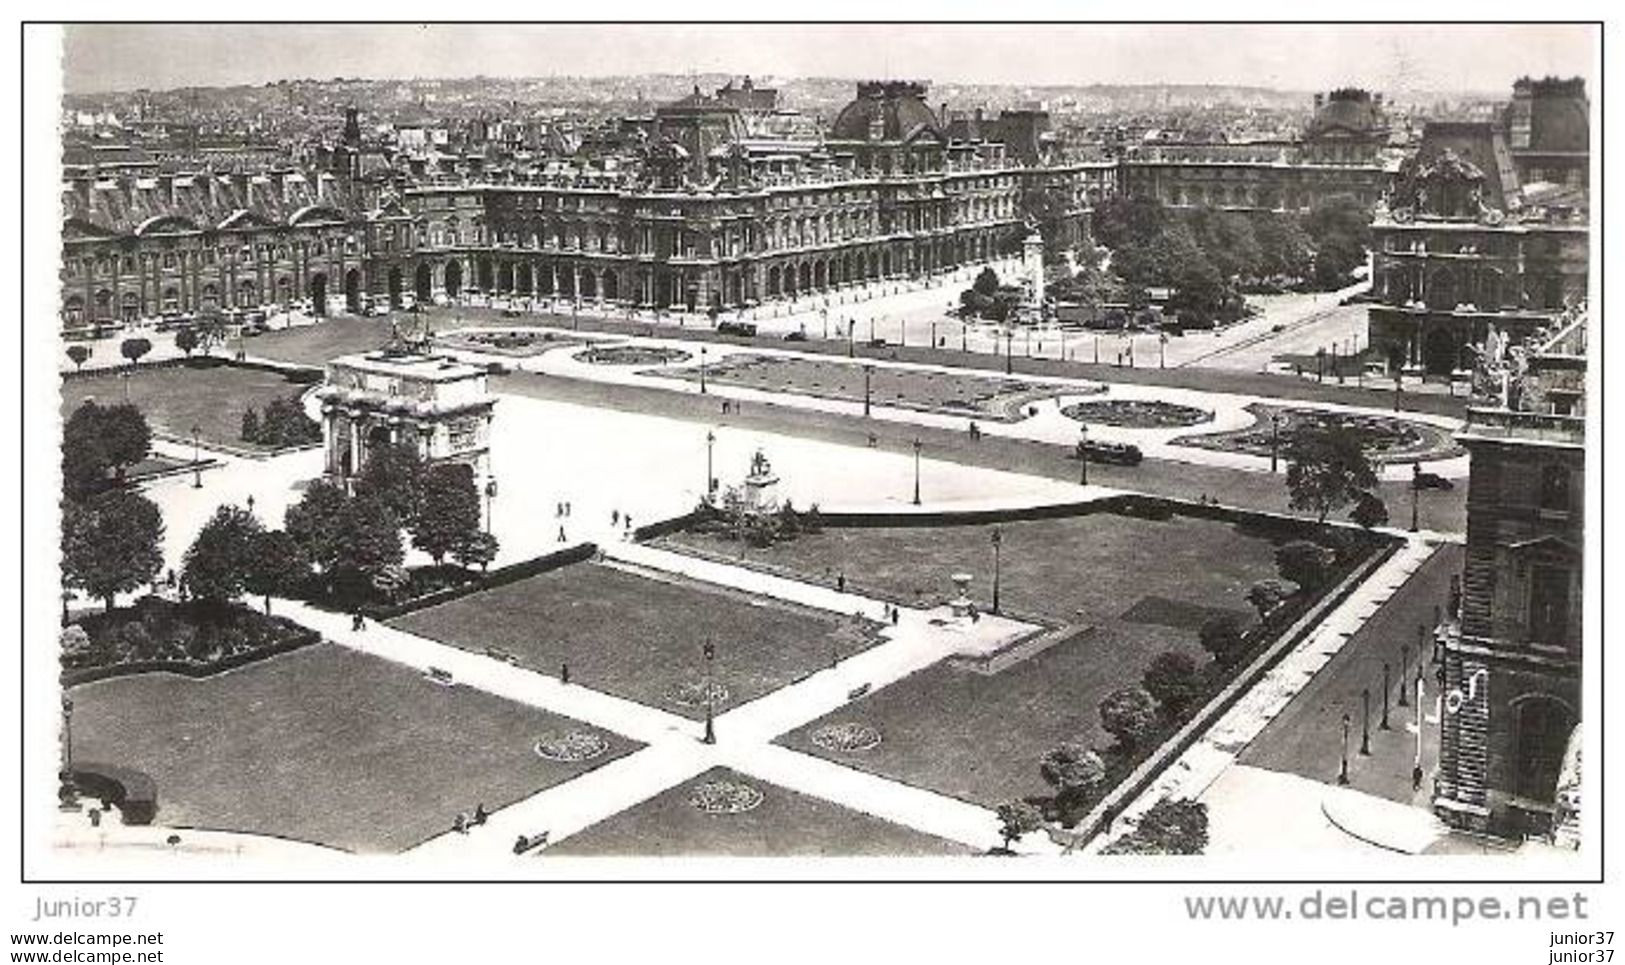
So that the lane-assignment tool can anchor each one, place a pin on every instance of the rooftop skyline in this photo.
(1394, 58)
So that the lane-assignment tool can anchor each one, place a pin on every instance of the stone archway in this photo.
(424, 283)
(394, 288)
(1439, 350)
(611, 286)
(318, 295)
(454, 278)
(1541, 734)
(352, 290)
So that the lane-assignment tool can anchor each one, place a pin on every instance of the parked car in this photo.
(1116, 453)
(796, 337)
(736, 328)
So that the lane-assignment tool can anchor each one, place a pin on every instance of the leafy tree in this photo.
(478, 548)
(1340, 228)
(986, 283)
(449, 510)
(1326, 470)
(1129, 715)
(277, 565)
(1221, 636)
(368, 539)
(186, 339)
(1306, 563)
(394, 475)
(111, 544)
(217, 565)
(79, 355)
(1018, 818)
(126, 437)
(1167, 827)
(210, 328)
(1173, 680)
(284, 423)
(134, 348)
(1266, 595)
(1284, 247)
(250, 431)
(313, 522)
(390, 580)
(85, 461)
(1073, 771)
(1369, 510)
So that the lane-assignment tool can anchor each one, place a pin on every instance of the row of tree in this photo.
(355, 541)
(1207, 258)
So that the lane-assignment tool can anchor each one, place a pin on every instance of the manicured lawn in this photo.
(1144, 585)
(981, 396)
(785, 823)
(638, 637)
(176, 398)
(326, 340)
(323, 744)
(1101, 564)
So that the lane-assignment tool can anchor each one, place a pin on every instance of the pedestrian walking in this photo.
(561, 535)
(895, 615)
(564, 673)
(840, 583)
(614, 517)
(480, 814)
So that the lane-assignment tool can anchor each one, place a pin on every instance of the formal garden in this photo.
(1137, 414)
(326, 745)
(1385, 439)
(948, 393)
(632, 355)
(517, 343)
(1151, 612)
(645, 637)
(723, 813)
(210, 395)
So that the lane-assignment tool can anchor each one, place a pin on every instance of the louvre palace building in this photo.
(718, 201)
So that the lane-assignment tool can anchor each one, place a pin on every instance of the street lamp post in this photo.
(1009, 351)
(1416, 767)
(1386, 672)
(490, 496)
(68, 793)
(1343, 769)
(1275, 442)
(710, 441)
(998, 540)
(1404, 674)
(1083, 454)
(1365, 721)
(702, 369)
(868, 370)
(916, 471)
(197, 458)
(1416, 494)
(851, 327)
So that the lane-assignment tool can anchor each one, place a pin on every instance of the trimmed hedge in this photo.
(133, 792)
(502, 576)
(86, 675)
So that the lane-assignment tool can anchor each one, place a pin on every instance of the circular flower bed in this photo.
(577, 745)
(696, 693)
(724, 797)
(1137, 414)
(849, 737)
(631, 355)
(1385, 439)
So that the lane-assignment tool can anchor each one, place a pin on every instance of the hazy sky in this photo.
(1393, 58)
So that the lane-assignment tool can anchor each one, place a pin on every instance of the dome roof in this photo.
(1351, 110)
(893, 110)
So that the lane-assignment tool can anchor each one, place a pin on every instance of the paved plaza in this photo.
(806, 647)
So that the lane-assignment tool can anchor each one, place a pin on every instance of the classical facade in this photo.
(1462, 247)
(727, 202)
(1341, 152)
(1510, 652)
(170, 245)
(440, 407)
